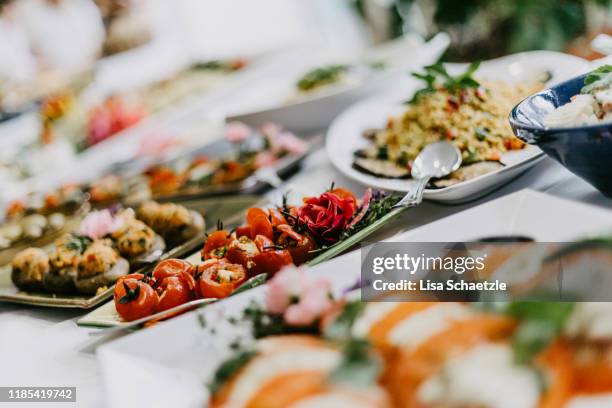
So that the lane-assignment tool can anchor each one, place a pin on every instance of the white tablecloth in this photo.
(42, 347)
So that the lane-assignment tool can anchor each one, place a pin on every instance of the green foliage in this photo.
(504, 26)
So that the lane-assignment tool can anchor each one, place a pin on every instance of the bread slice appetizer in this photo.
(452, 355)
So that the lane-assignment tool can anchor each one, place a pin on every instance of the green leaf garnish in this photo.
(540, 324)
(358, 366)
(321, 76)
(436, 76)
(598, 79)
(229, 368)
(78, 243)
(341, 328)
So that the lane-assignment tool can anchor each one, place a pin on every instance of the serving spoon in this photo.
(437, 160)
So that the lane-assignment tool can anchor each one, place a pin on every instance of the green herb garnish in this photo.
(321, 76)
(229, 368)
(541, 323)
(78, 243)
(436, 77)
(358, 366)
(341, 328)
(599, 79)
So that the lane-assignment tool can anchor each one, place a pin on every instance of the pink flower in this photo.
(264, 159)
(301, 299)
(98, 224)
(237, 132)
(282, 288)
(156, 143)
(288, 142)
(270, 130)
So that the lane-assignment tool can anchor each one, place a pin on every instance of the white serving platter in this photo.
(344, 136)
(180, 355)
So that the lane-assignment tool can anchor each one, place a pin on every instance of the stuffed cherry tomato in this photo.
(241, 251)
(134, 298)
(216, 245)
(219, 279)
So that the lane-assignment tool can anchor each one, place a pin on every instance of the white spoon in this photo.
(435, 160)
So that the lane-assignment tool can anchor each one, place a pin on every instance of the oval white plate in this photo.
(344, 136)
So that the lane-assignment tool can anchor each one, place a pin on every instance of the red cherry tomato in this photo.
(257, 219)
(219, 279)
(171, 267)
(216, 244)
(176, 290)
(134, 298)
(276, 217)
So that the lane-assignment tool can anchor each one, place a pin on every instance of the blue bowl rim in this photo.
(541, 129)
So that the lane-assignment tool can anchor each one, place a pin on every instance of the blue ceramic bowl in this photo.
(585, 150)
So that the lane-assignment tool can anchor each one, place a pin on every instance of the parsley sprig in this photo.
(598, 79)
(436, 77)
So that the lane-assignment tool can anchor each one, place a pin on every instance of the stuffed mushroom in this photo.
(99, 266)
(63, 261)
(137, 242)
(29, 268)
(172, 221)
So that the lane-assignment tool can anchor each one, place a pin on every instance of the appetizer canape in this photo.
(295, 371)
(414, 354)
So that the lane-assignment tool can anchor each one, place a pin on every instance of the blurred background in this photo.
(482, 29)
(73, 73)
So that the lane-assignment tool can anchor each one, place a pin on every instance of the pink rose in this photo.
(237, 132)
(299, 298)
(98, 224)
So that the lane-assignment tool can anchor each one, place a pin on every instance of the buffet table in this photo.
(44, 347)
